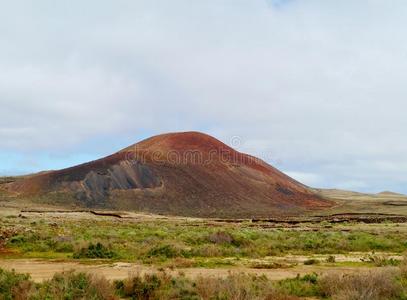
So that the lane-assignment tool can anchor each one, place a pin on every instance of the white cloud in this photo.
(315, 87)
(309, 179)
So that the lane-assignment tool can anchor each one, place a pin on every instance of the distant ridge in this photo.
(388, 193)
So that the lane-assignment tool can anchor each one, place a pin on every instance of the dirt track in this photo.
(42, 270)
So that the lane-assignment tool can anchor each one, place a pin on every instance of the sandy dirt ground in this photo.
(42, 270)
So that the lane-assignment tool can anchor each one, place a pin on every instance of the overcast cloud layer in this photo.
(317, 88)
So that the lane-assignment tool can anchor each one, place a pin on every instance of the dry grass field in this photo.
(130, 255)
(352, 202)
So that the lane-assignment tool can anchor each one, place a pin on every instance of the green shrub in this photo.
(156, 287)
(17, 240)
(97, 250)
(13, 285)
(380, 261)
(306, 286)
(72, 286)
(164, 251)
(311, 261)
(269, 265)
(138, 287)
(64, 248)
(331, 259)
(221, 237)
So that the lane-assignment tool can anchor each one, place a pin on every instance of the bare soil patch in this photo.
(42, 270)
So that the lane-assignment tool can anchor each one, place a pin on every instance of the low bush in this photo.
(239, 286)
(15, 286)
(305, 286)
(311, 261)
(331, 259)
(270, 265)
(155, 287)
(380, 261)
(70, 285)
(180, 262)
(163, 251)
(139, 287)
(373, 285)
(97, 250)
(403, 268)
(221, 237)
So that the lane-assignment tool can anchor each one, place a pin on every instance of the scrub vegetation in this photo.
(374, 285)
(167, 247)
(157, 242)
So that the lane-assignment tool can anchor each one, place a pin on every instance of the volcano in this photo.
(187, 173)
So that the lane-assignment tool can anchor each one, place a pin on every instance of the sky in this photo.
(315, 87)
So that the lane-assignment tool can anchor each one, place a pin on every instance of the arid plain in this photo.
(354, 246)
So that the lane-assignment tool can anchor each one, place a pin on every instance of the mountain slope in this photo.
(187, 173)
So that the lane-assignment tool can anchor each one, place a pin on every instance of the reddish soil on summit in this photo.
(189, 173)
